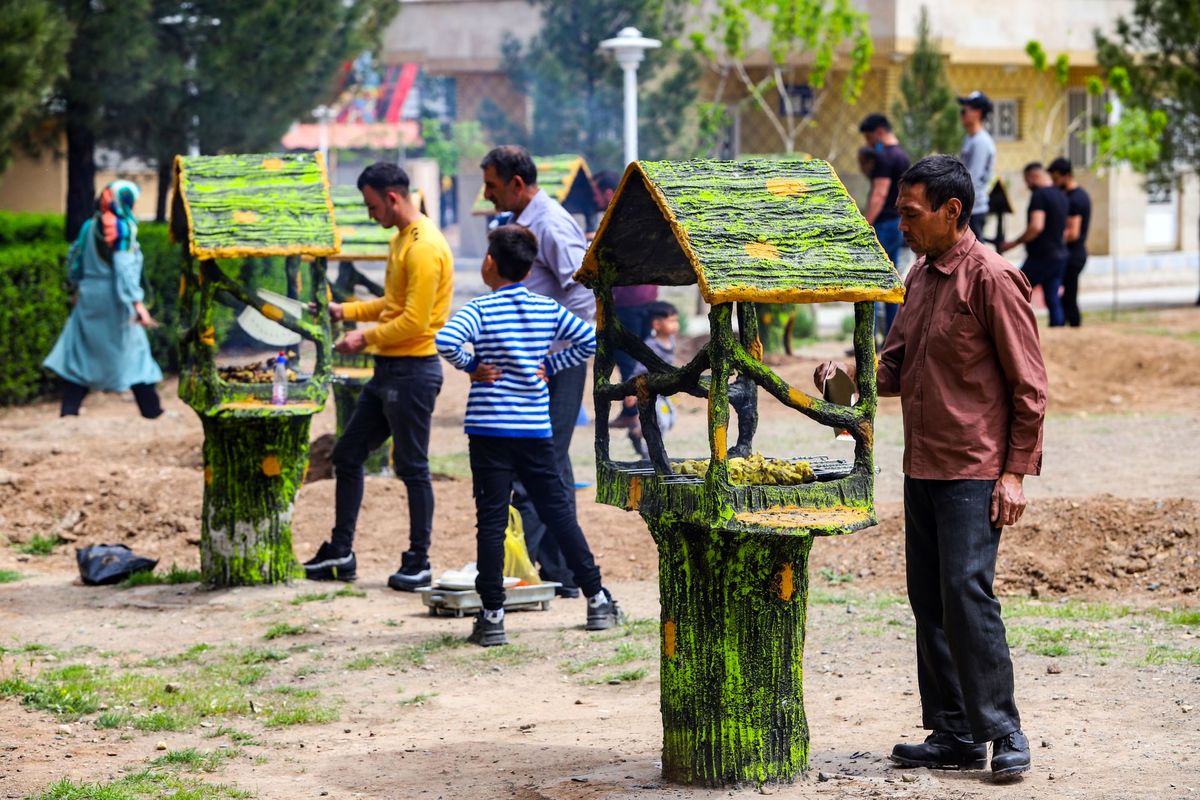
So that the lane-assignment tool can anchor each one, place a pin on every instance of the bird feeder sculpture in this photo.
(733, 556)
(255, 452)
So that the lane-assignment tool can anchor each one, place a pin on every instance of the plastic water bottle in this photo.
(279, 387)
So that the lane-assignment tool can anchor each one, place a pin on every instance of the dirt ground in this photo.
(1097, 579)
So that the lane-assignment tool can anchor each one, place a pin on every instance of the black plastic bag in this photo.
(101, 564)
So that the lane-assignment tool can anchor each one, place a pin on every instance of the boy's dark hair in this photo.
(873, 122)
(1033, 166)
(510, 160)
(384, 177)
(660, 309)
(606, 179)
(513, 248)
(943, 177)
(1060, 166)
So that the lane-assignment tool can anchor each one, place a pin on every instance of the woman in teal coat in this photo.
(104, 345)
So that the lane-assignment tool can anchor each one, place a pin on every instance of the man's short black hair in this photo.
(513, 248)
(1060, 166)
(1033, 166)
(385, 177)
(661, 309)
(873, 122)
(943, 177)
(511, 160)
(606, 179)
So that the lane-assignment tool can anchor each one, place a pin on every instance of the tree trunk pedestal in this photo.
(733, 617)
(253, 467)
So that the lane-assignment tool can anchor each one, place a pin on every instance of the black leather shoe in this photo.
(941, 750)
(1010, 756)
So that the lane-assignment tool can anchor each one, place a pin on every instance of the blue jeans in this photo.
(888, 232)
(1048, 273)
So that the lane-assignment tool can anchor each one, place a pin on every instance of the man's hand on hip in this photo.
(1008, 499)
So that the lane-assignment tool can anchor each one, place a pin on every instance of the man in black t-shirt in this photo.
(890, 163)
(1045, 249)
(1079, 217)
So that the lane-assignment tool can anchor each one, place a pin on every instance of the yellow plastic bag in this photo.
(516, 557)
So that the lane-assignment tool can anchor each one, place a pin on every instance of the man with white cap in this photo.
(978, 153)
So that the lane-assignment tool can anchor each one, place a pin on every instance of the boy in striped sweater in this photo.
(508, 421)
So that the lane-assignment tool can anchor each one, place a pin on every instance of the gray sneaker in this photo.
(606, 615)
(487, 634)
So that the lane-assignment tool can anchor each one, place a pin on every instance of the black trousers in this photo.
(146, 395)
(964, 670)
(1070, 295)
(566, 397)
(497, 461)
(398, 402)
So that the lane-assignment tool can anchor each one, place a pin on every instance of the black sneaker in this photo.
(487, 634)
(569, 592)
(1010, 756)
(331, 564)
(414, 573)
(606, 615)
(941, 750)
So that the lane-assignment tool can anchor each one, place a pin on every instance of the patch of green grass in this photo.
(627, 676)
(641, 627)
(234, 735)
(1039, 640)
(1070, 610)
(413, 655)
(40, 545)
(1161, 655)
(392, 623)
(317, 597)
(874, 600)
(1181, 616)
(830, 576)
(452, 465)
(625, 653)
(190, 759)
(282, 629)
(10, 576)
(289, 713)
(417, 699)
(255, 656)
(147, 784)
(172, 576)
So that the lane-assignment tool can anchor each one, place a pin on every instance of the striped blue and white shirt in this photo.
(512, 328)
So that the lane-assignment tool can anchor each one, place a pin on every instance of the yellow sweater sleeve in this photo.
(364, 310)
(422, 273)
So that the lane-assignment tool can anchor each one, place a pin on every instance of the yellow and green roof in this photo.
(362, 238)
(253, 205)
(756, 230)
(566, 178)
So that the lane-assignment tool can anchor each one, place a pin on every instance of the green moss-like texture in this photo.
(362, 238)
(756, 230)
(257, 204)
(566, 178)
(253, 468)
(733, 610)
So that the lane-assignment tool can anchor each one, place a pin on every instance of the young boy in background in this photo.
(664, 326)
(508, 422)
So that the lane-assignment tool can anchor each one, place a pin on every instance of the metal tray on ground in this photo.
(459, 602)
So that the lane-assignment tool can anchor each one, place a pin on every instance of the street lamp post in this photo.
(630, 47)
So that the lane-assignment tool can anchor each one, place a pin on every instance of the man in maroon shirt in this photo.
(965, 359)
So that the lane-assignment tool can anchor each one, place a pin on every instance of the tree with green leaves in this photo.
(575, 87)
(33, 55)
(1153, 63)
(927, 116)
(803, 40)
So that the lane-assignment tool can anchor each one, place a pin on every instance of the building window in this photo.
(1002, 123)
(1083, 111)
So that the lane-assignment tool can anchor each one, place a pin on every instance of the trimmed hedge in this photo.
(23, 228)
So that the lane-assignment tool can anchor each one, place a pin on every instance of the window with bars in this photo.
(1003, 123)
(1083, 111)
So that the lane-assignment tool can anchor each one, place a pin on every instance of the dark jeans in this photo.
(1070, 295)
(891, 240)
(397, 402)
(964, 671)
(975, 223)
(496, 461)
(144, 393)
(1048, 273)
(566, 396)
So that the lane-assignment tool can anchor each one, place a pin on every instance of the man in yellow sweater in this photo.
(398, 400)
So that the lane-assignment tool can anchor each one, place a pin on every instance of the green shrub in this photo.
(162, 266)
(22, 228)
(33, 309)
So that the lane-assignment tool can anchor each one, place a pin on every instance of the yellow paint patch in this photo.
(786, 187)
(719, 438)
(182, 285)
(599, 324)
(208, 475)
(208, 337)
(669, 638)
(756, 349)
(245, 217)
(800, 398)
(787, 585)
(272, 312)
(271, 467)
(762, 250)
(635, 494)
(272, 164)
(833, 518)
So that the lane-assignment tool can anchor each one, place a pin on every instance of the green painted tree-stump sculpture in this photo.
(734, 531)
(255, 451)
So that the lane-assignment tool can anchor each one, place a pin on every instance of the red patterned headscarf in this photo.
(114, 224)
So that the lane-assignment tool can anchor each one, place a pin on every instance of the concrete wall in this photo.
(457, 35)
